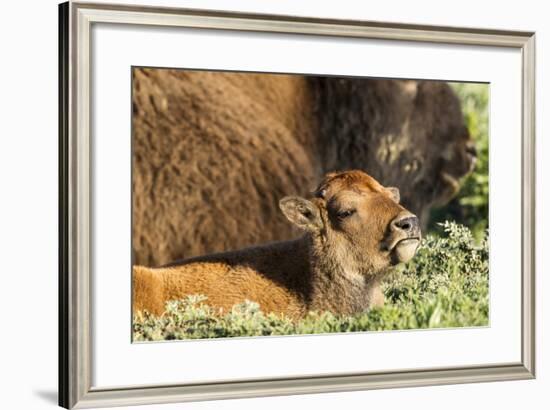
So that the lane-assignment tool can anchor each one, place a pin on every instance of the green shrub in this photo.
(445, 285)
(471, 205)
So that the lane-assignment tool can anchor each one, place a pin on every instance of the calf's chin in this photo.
(405, 250)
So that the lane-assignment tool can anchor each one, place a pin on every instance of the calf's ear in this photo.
(301, 212)
(394, 193)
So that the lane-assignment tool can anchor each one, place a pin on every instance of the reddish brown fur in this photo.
(227, 279)
(336, 266)
(213, 152)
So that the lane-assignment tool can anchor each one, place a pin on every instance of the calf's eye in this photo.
(346, 213)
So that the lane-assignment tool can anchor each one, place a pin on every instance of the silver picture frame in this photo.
(75, 331)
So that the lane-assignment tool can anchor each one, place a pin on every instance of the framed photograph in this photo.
(256, 205)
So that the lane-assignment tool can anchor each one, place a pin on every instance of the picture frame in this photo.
(75, 206)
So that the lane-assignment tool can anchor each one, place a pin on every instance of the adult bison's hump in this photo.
(212, 155)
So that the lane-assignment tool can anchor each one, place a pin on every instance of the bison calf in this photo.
(355, 230)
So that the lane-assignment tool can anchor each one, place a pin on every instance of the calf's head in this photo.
(356, 222)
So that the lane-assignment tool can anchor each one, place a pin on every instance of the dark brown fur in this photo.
(213, 152)
(336, 266)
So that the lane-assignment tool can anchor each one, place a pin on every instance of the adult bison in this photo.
(213, 152)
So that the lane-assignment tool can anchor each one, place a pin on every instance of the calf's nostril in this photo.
(406, 224)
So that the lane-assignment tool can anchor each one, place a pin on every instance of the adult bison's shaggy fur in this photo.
(213, 152)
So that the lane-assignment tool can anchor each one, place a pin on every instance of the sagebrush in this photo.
(445, 285)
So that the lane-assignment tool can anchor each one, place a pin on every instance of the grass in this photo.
(445, 285)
